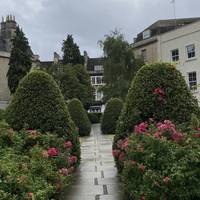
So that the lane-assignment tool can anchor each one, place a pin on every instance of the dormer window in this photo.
(146, 34)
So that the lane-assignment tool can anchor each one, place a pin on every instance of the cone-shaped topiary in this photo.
(80, 117)
(111, 115)
(39, 104)
(158, 91)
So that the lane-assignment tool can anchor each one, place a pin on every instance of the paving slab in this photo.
(97, 177)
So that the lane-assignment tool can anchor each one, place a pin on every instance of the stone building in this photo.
(95, 69)
(176, 41)
(7, 31)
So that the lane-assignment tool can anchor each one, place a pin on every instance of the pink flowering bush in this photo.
(158, 162)
(36, 165)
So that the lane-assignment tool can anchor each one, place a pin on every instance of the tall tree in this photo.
(74, 82)
(20, 60)
(71, 52)
(120, 65)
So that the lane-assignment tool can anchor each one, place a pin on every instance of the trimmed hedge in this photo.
(111, 115)
(94, 117)
(2, 114)
(158, 91)
(160, 163)
(79, 116)
(39, 104)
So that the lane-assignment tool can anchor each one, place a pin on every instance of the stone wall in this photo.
(4, 90)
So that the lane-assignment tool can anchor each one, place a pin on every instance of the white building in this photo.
(95, 70)
(180, 45)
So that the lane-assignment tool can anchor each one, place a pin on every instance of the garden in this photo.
(157, 137)
(156, 146)
(39, 142)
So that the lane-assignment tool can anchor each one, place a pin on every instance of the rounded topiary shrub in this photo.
(111, 115)
(157, 91)
(39, 104)
(80, 117)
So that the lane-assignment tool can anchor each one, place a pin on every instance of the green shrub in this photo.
(158, 166)
(39, 104)
(2, 114)
(79, 116)
(34, 162)
(158, 91)
(94, 117)
(111, 115)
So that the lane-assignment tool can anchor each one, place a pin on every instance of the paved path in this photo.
(97, 177)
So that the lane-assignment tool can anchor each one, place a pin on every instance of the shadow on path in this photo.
(96, 178)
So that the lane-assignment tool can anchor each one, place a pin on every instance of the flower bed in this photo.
(158, 162)
(35, 165)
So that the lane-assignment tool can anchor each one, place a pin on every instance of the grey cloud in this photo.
(47, 22)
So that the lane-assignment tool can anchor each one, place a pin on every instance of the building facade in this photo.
(7, 32)
(179, 45)
(95, 70)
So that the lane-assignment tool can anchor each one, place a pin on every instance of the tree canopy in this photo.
(74, 82)
(20, 60)
(120, 65)
(71, 52)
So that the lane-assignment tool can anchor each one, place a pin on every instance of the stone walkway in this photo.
(97, 177)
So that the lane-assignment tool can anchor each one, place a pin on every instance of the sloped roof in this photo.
(94, 62)
(163, 26)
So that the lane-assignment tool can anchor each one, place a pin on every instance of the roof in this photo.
(163, 26)
(94, 62)
(46, 64)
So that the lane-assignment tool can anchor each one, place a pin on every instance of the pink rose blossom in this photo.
(124, 145)
(177, 137)
(64, 171)
(142, 197)
(122, 156)
(52, 152)
(72, 160)
(115, 152)
(166, 180)
(159, 91)
(68, 144)
(141, 128)
(142, 167)
(196, 135)
(156, 135)
(119, 144)
(133, 162)
(30, 194)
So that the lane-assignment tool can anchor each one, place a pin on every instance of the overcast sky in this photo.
(47, 22)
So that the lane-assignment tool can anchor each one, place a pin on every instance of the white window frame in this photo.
(174, 58)
(96, 78)
(191, 52)
(192, 83)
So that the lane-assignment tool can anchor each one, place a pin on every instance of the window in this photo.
(190, 51)
(192, 80)
(146, 34)
(144, 55)
(175, 55)
(99, 80)
(98, 68)
(93, 80)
